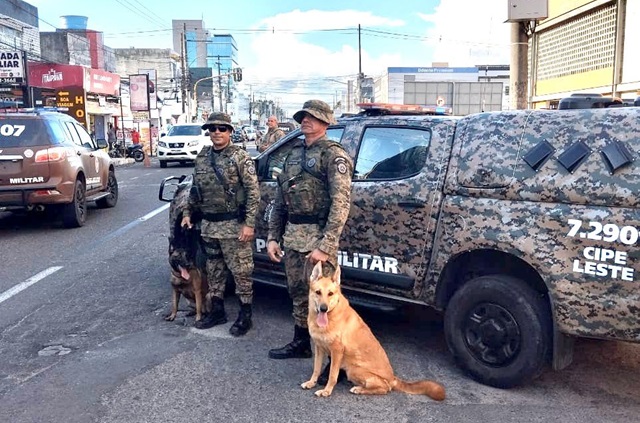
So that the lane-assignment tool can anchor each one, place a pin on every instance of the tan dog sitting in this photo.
(338, 331)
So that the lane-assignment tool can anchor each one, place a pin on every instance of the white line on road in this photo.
(154, 212)
(26, 284)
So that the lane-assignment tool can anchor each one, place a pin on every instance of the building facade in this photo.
(463, 89)
(208, 60)
(585, 46)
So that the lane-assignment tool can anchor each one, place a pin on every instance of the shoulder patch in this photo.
(251, 167)
(341, 164)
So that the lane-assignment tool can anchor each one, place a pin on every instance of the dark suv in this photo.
(48, 160)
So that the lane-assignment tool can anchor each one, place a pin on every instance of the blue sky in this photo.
(294, 50)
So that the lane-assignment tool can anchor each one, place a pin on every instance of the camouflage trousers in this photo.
(224, 255)
(298, 272)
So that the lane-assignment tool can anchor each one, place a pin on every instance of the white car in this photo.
(251, 133)
(182, 143)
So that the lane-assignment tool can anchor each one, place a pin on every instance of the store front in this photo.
(91, 96)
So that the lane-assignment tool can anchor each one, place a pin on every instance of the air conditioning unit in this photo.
(527, 10)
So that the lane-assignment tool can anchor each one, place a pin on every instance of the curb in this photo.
(121, 161)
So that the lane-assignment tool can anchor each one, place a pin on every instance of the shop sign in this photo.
(11, 66)
(74, 100)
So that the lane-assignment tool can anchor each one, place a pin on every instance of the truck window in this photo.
(391, 153)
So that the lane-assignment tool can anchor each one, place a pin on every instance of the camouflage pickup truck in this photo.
(521, 226)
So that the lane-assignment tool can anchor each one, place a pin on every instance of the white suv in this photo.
(182, 143)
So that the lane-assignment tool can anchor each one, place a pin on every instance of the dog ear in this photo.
(336, 276)
(316, 273)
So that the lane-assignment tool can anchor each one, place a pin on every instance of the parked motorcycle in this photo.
(134, 151)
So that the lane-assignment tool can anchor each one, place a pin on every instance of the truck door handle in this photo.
(412, 204)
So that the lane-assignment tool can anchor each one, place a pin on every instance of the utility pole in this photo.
(360, 75)
(519, 63)
(219, 83)
(250, 102)
(183, 47)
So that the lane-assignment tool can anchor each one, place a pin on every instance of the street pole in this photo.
(183, 47)
(219, 84)
(519, 52)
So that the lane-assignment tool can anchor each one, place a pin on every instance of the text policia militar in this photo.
(604, 262)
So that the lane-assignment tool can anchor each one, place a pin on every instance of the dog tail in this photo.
(423, 387)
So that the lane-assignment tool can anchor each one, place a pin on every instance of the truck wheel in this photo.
(499, 330)
(163, 164)
(74, 214)
(112, 187)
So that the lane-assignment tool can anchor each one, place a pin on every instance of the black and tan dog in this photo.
(187, 279)
(339, 332)
(185, 257)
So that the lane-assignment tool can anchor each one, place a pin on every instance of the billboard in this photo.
(11, 67)
(153, 83)
(139, 92)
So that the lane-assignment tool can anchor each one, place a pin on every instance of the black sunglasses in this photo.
(219, 128)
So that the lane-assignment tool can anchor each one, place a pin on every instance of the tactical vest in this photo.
(304, 183)
(218, 178)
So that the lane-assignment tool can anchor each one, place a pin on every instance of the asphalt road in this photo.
(87, 342)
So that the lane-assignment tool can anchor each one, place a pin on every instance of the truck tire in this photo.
(163, 164)
(74, 214)
(112, 187)
(499, 330)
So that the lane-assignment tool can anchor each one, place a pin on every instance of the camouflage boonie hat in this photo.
(218, 118)
(316, 108)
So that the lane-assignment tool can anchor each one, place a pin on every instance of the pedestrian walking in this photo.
(226, 194)
(314, 193)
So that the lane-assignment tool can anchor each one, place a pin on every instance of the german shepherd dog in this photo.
(338, 331)
(185, 258)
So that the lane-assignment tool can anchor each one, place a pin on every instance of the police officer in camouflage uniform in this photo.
(272, 135)
(225, 192)
(314, 193)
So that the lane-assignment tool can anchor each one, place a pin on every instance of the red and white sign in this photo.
(51, 75)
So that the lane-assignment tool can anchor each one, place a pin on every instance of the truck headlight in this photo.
(162, 144)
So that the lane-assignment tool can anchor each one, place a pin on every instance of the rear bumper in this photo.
(18, 198)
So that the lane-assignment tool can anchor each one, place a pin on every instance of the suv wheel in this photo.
(112, 187)
(499, 330)
(74, 214)
(163, 164)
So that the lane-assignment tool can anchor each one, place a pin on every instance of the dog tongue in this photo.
(322, 320)
(184, 273)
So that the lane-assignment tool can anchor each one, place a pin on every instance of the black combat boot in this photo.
(217, 316)
(243, 323)
(300, 347)
(323, 379)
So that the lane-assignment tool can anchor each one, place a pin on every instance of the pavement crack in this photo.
(10, 328)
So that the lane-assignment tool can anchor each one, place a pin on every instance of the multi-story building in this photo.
(585, 46)
(19, 39)
(163, 67)
(204, 57)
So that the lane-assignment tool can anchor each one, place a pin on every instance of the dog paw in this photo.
(323, 392)
(170, 318)
(356, 390)
(308, 384)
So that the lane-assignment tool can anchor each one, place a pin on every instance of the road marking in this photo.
(132, 224)
(26, 284)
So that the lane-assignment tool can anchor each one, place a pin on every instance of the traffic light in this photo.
(237, 74)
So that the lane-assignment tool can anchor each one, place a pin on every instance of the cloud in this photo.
(478, 35)
(283, 62)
